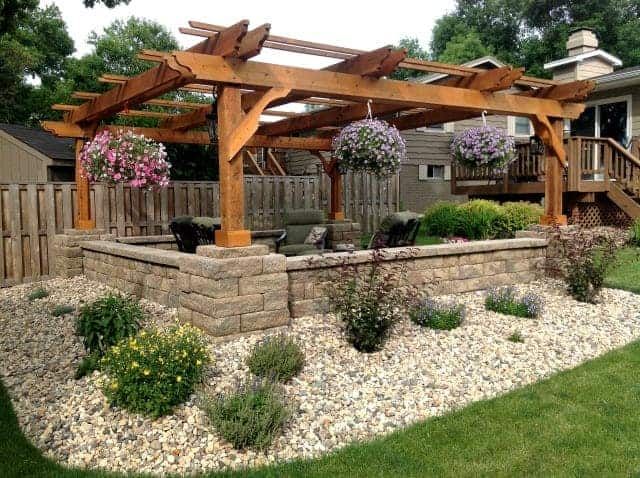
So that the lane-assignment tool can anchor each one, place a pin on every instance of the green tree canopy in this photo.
(464, 47)
(530, 33)
(414, 50)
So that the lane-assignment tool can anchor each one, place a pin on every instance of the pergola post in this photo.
(83, 194)
(233, 232)
(555, 157)
(336, 212)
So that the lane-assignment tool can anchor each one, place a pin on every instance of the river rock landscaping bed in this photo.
(340, 396)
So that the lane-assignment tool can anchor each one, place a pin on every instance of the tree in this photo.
(463, 48)
(530, 33)
(414, 50)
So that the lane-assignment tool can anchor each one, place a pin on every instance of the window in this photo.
(522, 126)
(434, 172)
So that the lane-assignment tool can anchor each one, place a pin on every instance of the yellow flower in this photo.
(178, 378)
(114, 385)
(146, 371)
(134, 364)
(198, 362)
(184, 353)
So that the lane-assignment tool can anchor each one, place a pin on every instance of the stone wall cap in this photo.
(141, 253)
(84, 232)
(159, 239)
(414, 252)
(217, 252)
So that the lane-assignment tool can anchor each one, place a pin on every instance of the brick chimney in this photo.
(584, 59)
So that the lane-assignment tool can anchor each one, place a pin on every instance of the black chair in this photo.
(397, 230)
(298, 225)
(191, 232)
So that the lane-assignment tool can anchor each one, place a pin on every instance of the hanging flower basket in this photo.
(486, 146)
(125, 158)
(369, 145)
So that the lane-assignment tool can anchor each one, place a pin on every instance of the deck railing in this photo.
(592, 164)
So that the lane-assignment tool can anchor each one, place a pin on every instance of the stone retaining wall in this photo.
(234, 290)
(145, 272)
(441, 269)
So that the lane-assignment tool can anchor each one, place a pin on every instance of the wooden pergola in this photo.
(247, 89)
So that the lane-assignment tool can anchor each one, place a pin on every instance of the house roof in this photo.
(614, 60)
(619, 78)
(490, 61)
(59, 149)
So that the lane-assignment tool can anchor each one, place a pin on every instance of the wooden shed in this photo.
(34, 155)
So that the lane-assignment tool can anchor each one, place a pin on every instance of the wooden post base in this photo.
(560, 220)
(85, 224)
(336, 216)
(238, 238)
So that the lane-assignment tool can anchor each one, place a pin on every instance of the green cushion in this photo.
(296, 234)
(303, 216)
(206, 221)
(298, 250)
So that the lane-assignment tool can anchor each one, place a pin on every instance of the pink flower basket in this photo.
(125, 158)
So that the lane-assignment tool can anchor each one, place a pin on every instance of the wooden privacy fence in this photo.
(31, 214)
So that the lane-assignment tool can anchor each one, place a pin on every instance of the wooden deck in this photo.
(595, 165)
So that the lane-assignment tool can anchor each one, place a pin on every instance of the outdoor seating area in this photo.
(273, 321)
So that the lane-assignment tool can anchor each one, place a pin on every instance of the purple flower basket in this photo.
(369, 145)
(486, 146)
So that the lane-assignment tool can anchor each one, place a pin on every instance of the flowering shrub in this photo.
(154, 371)
(369, 145)
(125, 158)
(368, 298)
(484, 146)
(505, 301)
(430, 313)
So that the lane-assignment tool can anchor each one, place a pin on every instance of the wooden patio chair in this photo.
(396, 230)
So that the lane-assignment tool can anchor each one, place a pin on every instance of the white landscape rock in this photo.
(340, 396)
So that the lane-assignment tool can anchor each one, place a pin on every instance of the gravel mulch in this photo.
(340, 396)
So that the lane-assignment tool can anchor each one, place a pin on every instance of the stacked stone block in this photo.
(134, 270)
(343, 232)
(67, 253)
(443, 269)
(231, 290)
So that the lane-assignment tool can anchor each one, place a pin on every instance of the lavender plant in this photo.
(505, 300)
(484, 146)
(369, 145)
(429, 313)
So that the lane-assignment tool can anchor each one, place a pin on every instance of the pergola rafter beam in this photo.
(257, 75)
(488, 80)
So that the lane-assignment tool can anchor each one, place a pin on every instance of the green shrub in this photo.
(38, 293)
(88, 364)
(61, 309)
(478, 219)
(154, 371)
(634, 232)
(505, 301)
(251, 417)
(437, 316)
(367, 297)
(276, 358)
(516, 337)
(441, 219)
(107, 321)
(517, 216)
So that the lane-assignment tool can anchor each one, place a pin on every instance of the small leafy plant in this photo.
(587, 258)
(252, 416)
(107, 321)
(505, 301)
(368, 298)
(88, 365)
(154, 371)
(429, 313)
(516, 337)
(634, 232)
(276, 358)
(62, 309)
(38, 293)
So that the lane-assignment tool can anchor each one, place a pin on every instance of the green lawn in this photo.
(625, 274)
(583, 422)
